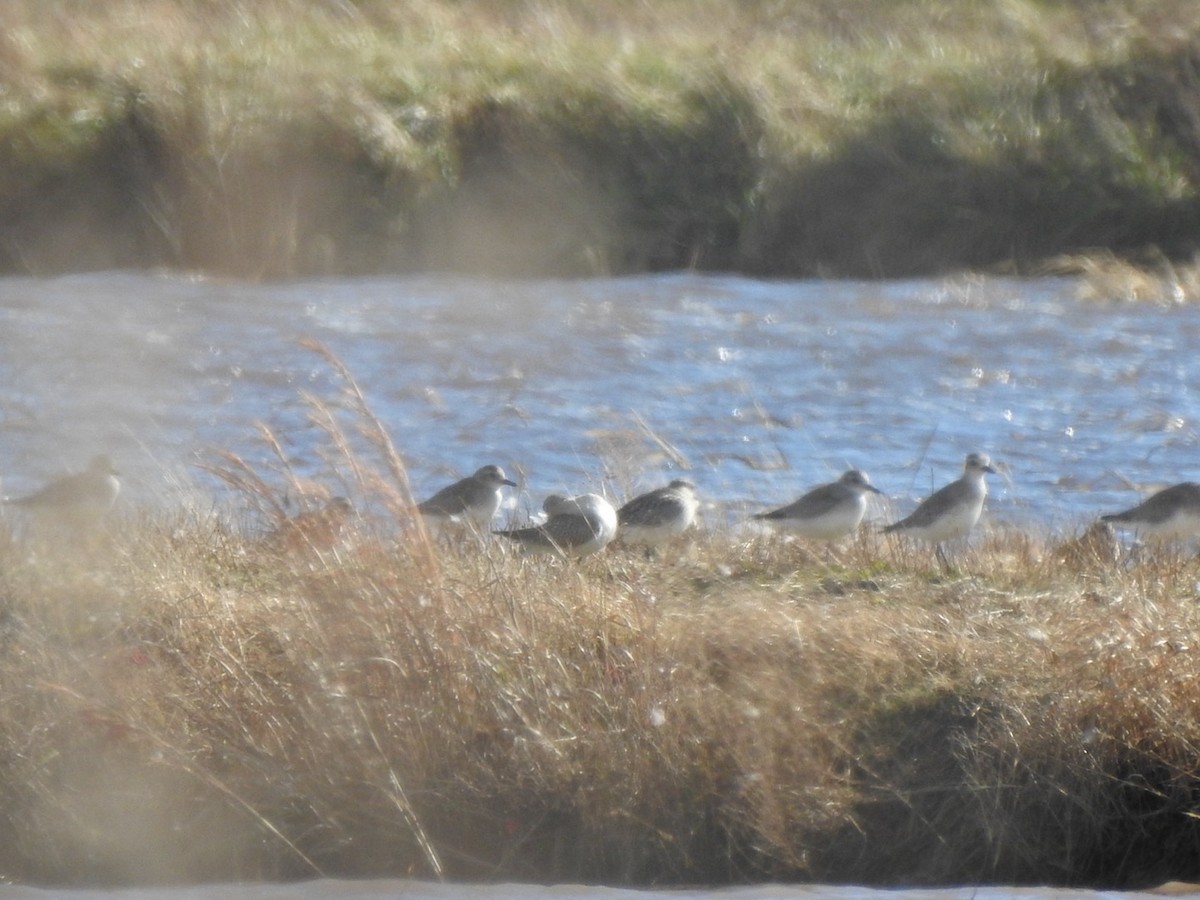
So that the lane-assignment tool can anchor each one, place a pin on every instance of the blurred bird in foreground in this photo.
(75, 502)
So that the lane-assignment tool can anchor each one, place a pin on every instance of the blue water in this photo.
(758, 389)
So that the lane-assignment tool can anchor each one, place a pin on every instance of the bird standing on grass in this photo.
(470, 502)
(827, 512)
(952, 511)
(657, 516)
(574, 527)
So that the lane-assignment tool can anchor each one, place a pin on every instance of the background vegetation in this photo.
(834, 137)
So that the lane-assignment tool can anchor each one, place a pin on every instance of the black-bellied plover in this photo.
(575, 526)
(471, 501)
(75, 501)
(657, 516)
(950, 512)
(1171, 514)
(828, 512)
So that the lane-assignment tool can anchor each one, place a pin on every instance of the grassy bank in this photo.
(293, 137)
(186, 699)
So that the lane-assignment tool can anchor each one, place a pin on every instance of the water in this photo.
(760, 389)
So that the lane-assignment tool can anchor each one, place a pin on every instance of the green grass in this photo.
(292, 137)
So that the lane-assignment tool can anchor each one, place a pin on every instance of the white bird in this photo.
(75, 501)
(471, 501)
(575, 526)
(952, 511)
(658, 516)
(827, 512)
(1171, 514)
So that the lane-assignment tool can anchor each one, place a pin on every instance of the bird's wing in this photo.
(449, 501)
(570, 531)
(815, 503)
(647, 507)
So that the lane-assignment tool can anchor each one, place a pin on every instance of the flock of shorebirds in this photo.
(581, 525)
(584, 524)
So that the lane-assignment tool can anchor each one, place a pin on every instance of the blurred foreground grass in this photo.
(184, 704)
(830, 137)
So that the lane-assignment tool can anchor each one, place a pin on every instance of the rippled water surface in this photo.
(759, 389)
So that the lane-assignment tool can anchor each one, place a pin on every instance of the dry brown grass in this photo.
(185, 703)
(1105, 278)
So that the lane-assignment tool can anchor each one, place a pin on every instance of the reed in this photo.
(299, 137)
(187, 699)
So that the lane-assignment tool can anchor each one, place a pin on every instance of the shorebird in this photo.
(1171, 514)
(575, 526)
(657, 516)
(952, 511)
(75, 501)
(828, 512)
(317, 529)
(472, 501)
